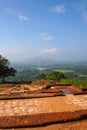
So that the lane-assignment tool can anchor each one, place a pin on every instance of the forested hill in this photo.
(31, 72)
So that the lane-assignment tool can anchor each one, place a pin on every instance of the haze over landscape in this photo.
(43, 29)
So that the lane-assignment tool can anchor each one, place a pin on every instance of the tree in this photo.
(42, 76)
(5, 69)
(55, 75)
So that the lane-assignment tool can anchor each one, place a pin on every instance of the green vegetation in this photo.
(40, 84)
(77, 82)
(52, 83)
(75, 73)
(55, 75)
(42, 76)
(5, 69)
(2, 86)
(2, 96)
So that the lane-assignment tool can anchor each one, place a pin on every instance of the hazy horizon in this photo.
(43, 30)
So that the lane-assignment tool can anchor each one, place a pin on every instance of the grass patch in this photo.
(78, 82)
(40, 84)
(2, 96)
(6, 85)
(52, 83)
(2, 86)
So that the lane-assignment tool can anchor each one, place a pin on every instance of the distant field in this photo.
(64, 70)
(31, 72)
(81, 75)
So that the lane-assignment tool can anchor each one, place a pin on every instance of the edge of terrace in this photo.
(42, 119)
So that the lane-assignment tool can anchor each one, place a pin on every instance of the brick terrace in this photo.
(42, 105)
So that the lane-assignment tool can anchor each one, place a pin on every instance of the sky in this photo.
(43, 29)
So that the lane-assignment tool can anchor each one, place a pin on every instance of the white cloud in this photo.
(48, 38)
(19, 15)
(45, 36)
(49, 51)
(22, 17)
(59, 8)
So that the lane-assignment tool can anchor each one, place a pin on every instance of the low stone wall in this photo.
(37, 95)
(41, 119)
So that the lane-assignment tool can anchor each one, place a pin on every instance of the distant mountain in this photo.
(45, 61)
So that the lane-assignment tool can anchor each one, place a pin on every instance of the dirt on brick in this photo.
(75, 125)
